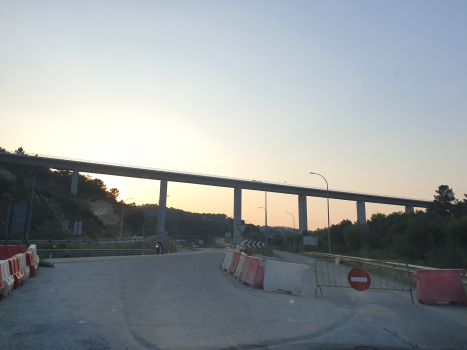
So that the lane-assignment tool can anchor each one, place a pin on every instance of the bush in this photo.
(45, 263)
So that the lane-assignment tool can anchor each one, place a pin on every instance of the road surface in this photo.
(185, 300)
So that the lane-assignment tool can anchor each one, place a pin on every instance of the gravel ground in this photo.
(185, 300)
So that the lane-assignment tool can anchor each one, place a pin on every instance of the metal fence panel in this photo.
(384, 274)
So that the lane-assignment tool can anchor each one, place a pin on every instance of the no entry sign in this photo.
(359, 279)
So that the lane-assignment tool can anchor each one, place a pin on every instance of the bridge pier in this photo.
(74, 182)
(361, 212)
(302, 214)
(236, 234)
(409, 209)
(162, 208)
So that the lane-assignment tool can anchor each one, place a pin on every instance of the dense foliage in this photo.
(436, 237)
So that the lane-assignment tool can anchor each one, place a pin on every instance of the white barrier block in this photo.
(24, 267)
(32, 248)
(283, 276)
(239, 271)
(228, 257)
(8, 279)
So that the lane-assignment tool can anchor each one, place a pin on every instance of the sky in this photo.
(372, 95)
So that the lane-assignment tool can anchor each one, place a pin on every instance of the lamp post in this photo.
(266, 226)
(123, 213)
(327, 195)
(34, 182)
(293, 217)
(265, 213)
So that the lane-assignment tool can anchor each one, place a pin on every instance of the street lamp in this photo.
(123, 213)
(293, 217)
(266, 226)
(34, 181)
(327, 194)
(265, 212)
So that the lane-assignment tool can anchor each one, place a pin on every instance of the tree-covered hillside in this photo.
(436, 237)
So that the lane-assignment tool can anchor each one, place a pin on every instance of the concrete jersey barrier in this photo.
(7, 278)
(282, 276)
(228, 257)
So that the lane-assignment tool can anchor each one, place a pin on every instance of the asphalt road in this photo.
(185, 300)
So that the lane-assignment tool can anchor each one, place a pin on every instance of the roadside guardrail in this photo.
(93, 251)
(389, 265)
(84, 241)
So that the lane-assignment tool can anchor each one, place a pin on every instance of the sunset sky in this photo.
(372, 95)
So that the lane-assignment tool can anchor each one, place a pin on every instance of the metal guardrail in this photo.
(94, 251)
(412, 268)
(84, 241)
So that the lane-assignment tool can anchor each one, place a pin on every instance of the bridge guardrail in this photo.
(412, 268)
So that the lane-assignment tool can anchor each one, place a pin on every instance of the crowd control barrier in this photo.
(384, 274)
(16, 272)
(235, 259)
(283, 277)
(440, 285)
(253, 273)
(31, 263)
(228, 257)
(239, 271)
(7, 278)
(23, 266)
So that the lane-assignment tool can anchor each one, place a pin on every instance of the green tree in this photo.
(356, 236)
(2, 150)
(114, 193)
(443, 201)
(20, 150)
(20, 179)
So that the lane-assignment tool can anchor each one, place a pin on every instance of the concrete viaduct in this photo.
(237, 184)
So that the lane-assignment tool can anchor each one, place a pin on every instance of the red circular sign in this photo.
(359, 279)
